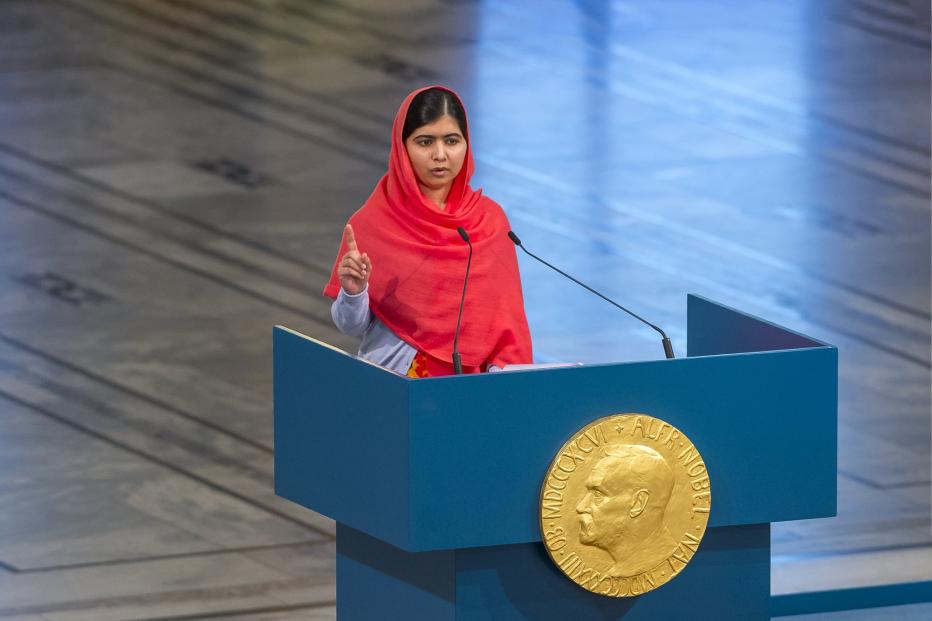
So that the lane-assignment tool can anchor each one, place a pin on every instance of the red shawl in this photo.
(419, 260)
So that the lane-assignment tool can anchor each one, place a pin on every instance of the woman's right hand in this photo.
(355, 267)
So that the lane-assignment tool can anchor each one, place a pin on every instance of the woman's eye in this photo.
(424, 143)
(452, 141)
(597, 496)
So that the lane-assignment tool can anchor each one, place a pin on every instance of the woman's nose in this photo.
(439, 153)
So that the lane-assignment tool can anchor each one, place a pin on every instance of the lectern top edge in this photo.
(339, 351)
(816, 343)
(312, 339)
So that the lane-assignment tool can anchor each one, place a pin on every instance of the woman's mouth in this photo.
(439, 172)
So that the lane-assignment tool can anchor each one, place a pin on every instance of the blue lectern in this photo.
(435, 483)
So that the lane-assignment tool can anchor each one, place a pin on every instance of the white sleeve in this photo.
(351, 313)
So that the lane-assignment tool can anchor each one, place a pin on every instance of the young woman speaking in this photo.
(398, 277)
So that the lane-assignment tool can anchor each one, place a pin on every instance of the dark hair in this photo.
(428, 106)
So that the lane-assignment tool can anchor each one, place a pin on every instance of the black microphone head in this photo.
(514, 238)
(463, 234)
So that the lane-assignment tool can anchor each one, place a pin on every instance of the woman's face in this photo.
(437, 151)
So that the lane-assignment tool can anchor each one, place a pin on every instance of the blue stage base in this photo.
(728, 579)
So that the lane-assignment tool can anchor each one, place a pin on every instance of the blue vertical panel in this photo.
(712, 328)
(480, 445)
(727, 580)
(376, 580)
(341, 436)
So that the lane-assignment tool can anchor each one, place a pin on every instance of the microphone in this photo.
(667, 345)
(457, 363)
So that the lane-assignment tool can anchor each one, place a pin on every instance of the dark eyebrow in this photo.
(454, 134)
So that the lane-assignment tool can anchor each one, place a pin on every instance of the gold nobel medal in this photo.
(624, 505)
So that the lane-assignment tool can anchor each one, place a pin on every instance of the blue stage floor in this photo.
(912, 612)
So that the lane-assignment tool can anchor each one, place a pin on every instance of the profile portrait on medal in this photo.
(622, 511)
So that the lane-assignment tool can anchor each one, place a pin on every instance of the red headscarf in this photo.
(419, 260)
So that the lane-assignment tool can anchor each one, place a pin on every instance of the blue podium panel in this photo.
(480, 445)
(728, 579)
(713, 328)
(341, 436)
(376, 580)
(456, 462)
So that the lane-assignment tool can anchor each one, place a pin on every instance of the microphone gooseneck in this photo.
(667, 345)
(457, 363)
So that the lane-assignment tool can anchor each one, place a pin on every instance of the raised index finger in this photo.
(350, 238)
